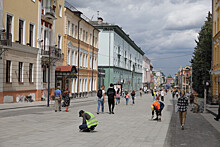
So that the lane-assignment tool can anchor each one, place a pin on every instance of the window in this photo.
(9, 29)
(21, 32)
(60, 10)
(31, 72)
(72, 58)
(44, 74)
(68, 28)
(20, 72)
(72, 29)
(90, 38)
(68, 58)
(86, 60)
(86, 37)
(83, 61)
(8, 71)
(80, 59)
(83, 35)
(76, 59)
(75, 31)
(59, 42)
(90, 62)
(80, 34)
(31, 35)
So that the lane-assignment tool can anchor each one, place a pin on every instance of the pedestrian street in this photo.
(131, 125)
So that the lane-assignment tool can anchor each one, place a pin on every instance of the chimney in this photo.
(100, 20)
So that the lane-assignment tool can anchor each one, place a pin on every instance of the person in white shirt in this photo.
(162, 95)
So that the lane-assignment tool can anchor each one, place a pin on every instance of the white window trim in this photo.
(61, 39)
(22, 72)
(33, 33)
(60, 10)
(72, 59)
(11, 72)
(12, 25)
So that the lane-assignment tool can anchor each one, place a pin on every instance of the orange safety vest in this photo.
(156, 105)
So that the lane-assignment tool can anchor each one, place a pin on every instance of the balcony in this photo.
(55, 55)
(5, 39)
(49, 13)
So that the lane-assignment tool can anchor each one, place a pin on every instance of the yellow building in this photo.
(216, 51)
(80, 50)
(28, 28)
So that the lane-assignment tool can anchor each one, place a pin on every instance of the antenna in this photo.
(97, 15)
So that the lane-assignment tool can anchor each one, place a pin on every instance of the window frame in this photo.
(32, 44)
(31, 73)
(20, 72)
(8, 71)
(60, 10)
(12, 25)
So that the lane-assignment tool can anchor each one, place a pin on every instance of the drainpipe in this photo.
(92, 58)
(78, 84)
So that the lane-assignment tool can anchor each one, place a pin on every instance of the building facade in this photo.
(185, 78)
(25, 40)
(146, 73)
(216, 51)
(81, 51)
(158, 79)
(119, 57)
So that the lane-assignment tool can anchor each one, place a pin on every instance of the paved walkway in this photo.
(201, 130)
(129, 126)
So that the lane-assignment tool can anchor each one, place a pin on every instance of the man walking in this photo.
(101, 98)
(111, 98)
(162, 95)
(182, 103)
(89, 121)
(58, 99)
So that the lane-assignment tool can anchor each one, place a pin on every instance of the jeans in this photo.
(118, 100)
(57, 103)
(127, 100)
(84, 127)
(132, 99)
(100, 102)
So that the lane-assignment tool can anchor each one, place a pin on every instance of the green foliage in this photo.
(202, 56)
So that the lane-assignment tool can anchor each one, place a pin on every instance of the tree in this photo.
(202, 57)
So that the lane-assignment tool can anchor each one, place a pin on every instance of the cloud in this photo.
(162, 28)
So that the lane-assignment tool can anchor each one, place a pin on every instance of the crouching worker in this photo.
(157, 107)
(89, 121)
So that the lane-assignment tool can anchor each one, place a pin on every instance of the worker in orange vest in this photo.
(158, 107)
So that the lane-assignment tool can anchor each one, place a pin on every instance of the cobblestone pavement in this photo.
(201, 130)
(129, 126)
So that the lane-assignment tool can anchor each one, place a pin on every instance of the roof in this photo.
(119, 31)
(66, 69)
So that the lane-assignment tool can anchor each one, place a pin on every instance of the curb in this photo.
(213, 113)
(22, 107)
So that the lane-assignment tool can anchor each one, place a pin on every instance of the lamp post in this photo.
(48, 95)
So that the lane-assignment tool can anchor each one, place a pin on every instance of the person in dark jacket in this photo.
(111, 98)
(133, 96)
(218, 116)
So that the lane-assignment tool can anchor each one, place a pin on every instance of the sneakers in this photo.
(216, 119)
(113, 113)
(97, 112)
(155, 119)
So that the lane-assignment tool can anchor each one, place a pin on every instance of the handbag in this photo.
(176, 108)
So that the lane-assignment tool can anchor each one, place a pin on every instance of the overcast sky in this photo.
(164, 29)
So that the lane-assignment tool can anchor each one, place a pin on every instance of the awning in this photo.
(68, 71)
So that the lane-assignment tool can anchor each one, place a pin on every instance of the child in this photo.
(127, 97)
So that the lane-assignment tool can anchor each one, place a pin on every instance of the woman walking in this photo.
(182, 103)
(66, 100)
(133, 96)
(127, 97)
(118, 95)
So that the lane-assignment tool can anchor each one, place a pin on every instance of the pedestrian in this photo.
(157, 106)
(162, 95)
(191, 98)
(111, 98)
(133, 96)
(118, 95)
(218, 116)
(177, 94)
(173, 94)
(152, 93)
(127, 97)
(182, 104)
(101, 98)
(89, 121)
(66, 97)
(141, 92)
(58, 99)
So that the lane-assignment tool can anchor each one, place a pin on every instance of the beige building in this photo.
(28, 29)
(80, 50)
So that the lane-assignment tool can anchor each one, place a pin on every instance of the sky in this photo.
(165, 30)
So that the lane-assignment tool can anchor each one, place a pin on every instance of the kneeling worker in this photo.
(89, 121)
(158, 107)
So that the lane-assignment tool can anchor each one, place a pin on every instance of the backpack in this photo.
(161, 105)
(99, 93)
